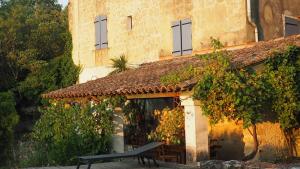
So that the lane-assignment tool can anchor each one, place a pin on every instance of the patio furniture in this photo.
(215, 145)
(141, 153)
(173, 153)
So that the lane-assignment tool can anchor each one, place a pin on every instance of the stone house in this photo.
(160, 36)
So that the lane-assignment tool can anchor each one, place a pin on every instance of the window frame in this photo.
(101, 43)
(296, 19)
(183, 35)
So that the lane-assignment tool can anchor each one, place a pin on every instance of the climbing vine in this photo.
(283, 73)
(183, 74)
(244, 94)
(228, 92)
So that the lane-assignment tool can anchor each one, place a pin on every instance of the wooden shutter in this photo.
(103, 32)
(176, 38)
(97, 32)
(186, 26)
(292, 26)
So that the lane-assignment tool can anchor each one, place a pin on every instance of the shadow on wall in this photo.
(272, 142)
(295, 141)
(229, 141)
(202, 156)
(226, 144)
(274, 146)
(272, 153)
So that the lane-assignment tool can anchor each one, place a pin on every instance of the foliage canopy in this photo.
(227, 91)
(283, 73)
(35, 49)
(35, 57)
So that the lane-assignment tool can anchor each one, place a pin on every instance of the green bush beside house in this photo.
(66, 131)
(8, 120)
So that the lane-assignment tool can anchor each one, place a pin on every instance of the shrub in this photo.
(66, 131)
(8, 120)
(170, 126)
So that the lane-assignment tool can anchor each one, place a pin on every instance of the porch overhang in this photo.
(145, 81)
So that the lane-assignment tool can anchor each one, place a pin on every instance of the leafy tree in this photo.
(231, 93)
(283, 73)
(8, 120)
(30, 36)
(242, 94)
(59, 72)
(35, 50)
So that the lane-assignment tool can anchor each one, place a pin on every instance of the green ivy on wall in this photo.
(244, 94)
(283, 74)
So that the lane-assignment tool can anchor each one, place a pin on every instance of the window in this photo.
(182, 37)
(129, 23)
(291, 26)
(101, 32)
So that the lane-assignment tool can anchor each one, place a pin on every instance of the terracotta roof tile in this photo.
(146, 78)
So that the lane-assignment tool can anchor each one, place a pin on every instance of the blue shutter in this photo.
(97, 33)
(103, 33)
(292, 26)
(176, 38)
(186, 26)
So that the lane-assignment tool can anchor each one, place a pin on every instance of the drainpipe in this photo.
(251, 20)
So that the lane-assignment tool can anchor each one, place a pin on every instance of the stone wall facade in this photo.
(226, 141)
(271, 16)
(272, 144)
(150, 38)
(235, 142)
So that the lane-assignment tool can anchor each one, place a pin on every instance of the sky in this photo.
(63, 2)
